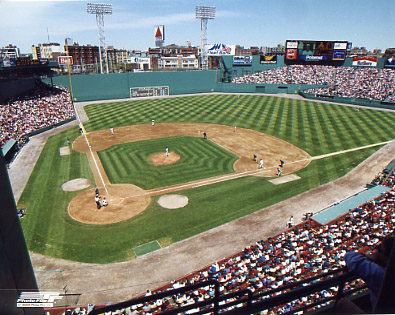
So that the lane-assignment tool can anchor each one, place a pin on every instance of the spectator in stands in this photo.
(299, 253)
(350, 82)
(42, 107)
(371, 268)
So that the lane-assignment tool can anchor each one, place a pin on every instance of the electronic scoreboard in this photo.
(315, 50)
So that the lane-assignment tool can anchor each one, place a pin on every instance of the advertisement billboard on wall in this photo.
(9, 63)
(339, 55)
(364, 61)
(268, 59)
(242, 60)
(291, 54)
(291, 44)
(220, 49)
(390, 62)
(65, 60)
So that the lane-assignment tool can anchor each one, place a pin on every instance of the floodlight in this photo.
(99, 9)
(204, 13)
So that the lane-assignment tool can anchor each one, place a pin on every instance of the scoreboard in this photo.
(315, 50)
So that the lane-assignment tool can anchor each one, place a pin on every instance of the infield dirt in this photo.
(127, 200)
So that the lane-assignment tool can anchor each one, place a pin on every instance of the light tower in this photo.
(99, 9)
(204, 14)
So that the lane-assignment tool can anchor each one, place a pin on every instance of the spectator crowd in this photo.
(302, 251)
(42, 107)
(350, 82)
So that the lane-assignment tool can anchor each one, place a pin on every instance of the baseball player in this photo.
(167, 151)
(255, 158)
(204, 135)
(278, 172)
(281, 163)
(153, 122)
(290, 221)
(112, 131)
(260, 164)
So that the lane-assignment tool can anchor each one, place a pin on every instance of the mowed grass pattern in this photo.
(315, 127)
(129, 163)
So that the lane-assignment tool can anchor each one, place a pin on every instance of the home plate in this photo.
(284, 179)
(64, 151)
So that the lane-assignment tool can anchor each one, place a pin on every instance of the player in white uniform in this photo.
(260, 164)
(167, 152)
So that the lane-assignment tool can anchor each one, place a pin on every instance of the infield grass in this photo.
(129, 163)
(315, 127)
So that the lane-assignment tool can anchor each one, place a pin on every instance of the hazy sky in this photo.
(369, 23)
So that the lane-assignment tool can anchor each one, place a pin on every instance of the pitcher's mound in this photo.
(173, 201)
(76, 184)
(162, 159)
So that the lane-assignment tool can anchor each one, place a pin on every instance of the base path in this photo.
(126, 201)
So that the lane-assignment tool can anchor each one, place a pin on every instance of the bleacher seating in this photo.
(350, 82)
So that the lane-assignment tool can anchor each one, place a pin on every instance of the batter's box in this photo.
(146, 248)
(284, 179)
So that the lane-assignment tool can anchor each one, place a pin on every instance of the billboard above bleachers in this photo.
(309, 50)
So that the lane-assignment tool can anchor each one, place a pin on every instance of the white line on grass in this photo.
(84, 134)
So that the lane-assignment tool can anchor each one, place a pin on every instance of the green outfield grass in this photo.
(317, 128)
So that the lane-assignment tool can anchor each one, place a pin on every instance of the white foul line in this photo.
(84, 134)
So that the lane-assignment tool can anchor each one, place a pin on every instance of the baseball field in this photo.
(217, 175)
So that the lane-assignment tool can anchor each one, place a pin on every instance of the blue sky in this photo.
(369, 23)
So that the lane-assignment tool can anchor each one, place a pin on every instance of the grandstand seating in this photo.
(349, 82)
(41, 107)
(272, 267)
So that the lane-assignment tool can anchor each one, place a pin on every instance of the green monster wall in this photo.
(117, 85)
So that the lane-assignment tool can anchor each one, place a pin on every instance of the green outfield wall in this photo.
(117, 85)
(263, 88)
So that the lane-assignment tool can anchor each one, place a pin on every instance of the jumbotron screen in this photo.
(315, 50)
